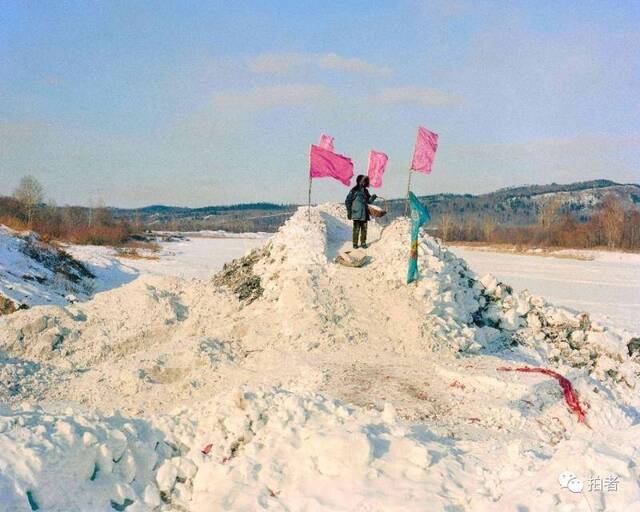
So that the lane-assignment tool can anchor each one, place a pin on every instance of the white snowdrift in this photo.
(433, 425)
(33, 272)
(198, 257)
(275, 450)
(606, 284)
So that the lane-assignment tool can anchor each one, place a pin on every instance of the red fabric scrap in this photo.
(570, 395)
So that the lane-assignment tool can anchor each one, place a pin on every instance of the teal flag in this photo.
(419, 216)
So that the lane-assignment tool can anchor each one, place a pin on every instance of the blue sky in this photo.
(194, 103)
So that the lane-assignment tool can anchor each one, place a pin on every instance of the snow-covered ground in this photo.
(289, 382)
(34, 273)
(194, 257)
(606, 284)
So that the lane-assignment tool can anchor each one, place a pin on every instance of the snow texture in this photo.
(33, 272)
(606, 284)
(335, 389)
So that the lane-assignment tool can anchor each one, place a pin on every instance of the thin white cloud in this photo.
(581, 157)
(579, 144)
(276, 63)
(446, 8)
(52, 80)
(350, 64)
(16, 135)
(281, 63)
(422, 96)
(261, 98)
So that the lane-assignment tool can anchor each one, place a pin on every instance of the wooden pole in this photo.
(310, 179)
(309, 203)
(406, 199)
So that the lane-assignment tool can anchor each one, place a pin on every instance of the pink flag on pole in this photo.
(326, 142)
(324, 163)
(425, 152)
(377, 165)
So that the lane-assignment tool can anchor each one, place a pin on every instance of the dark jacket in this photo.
(357, 202)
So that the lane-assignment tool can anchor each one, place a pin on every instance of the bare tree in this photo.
(30, 193)
(74, 217)
(137, 222)
(548, 213)
(469, 229)
(100, 215)
(631, 237)
(488, 227)
(612, 221)
(446, 224)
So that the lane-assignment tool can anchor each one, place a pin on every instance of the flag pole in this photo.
(309, 198)
(406, 199)
(309, 203)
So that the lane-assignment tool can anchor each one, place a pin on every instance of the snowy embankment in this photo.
(606, 284)
(333, 389)
(36, 273)
(33, 272)
(197, 257)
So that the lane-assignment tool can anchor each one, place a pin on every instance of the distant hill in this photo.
(521, 205)
(240, 217)
(509, 206)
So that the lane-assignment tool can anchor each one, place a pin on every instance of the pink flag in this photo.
(326, 142)
(324, 163)
(425, 152)
(377, 165)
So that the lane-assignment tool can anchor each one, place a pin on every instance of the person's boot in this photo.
(356, 235)
(363, 236)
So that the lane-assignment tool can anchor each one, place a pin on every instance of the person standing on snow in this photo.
(356, 203)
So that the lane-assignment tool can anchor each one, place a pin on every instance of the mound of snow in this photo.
(275, 450)
(291, 294)
(33, 272)
(432, 421)
(223, 456)
(457, 309)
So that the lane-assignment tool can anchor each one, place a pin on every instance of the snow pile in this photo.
(559, 335)
(49, 342)
(292, 295)
(276, 450)
(110, 320)
(336, 458)
(68, 462)
(433, 421)
(464, 312)
(301, 241)
(447, 292)
(603, 283)
(297, 300)
(33, 272)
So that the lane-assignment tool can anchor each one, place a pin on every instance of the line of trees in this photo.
(611, 226)
(27, 209)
